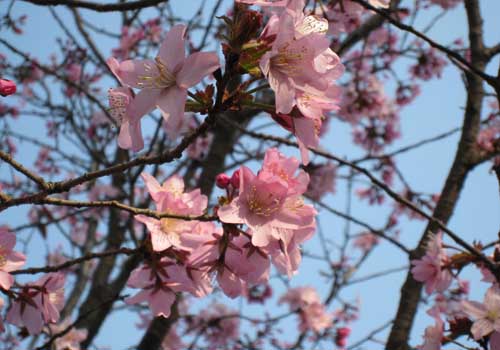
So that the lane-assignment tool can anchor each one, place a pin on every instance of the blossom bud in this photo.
(343, 332)
(7, 87)
(222, 180)
(235, 179)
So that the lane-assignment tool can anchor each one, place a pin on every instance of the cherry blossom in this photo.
(7, 87)
(171, 199)
(164, 80)
(433, 334)
(429, 269)
(313, 315)
(39, 302)
(130, 136)
(267, 207)
(70, 340)
(9, 259)
(159, 283)
(486, 314)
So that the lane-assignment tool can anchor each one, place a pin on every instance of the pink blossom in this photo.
(366, 241)
(70, 340)
(130, 132)
(171, 199)
(9, 259)
(38, 303)
(164, 80)
(313, 315)
(322, 180)
(263, 205)
(128, 40)
(486, 315)
(429, 65)
(291, 63)
(159, 285)
(429, 269)
(222, 327)
(433, 334)
(7, 87)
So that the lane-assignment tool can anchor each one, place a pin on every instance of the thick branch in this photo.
(95, 6)
(462, 165)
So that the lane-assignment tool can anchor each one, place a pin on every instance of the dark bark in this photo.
(463, 163)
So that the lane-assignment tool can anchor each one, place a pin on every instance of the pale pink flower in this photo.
(322, 180)
(312, 311)
(263, 205)
(170, 198)
(130, 136)
(39, 303)
(9, 259)
(172, 340)
(429, 269)
(291, 63)
(159, 285)
(164, 81)
(128, 40)
(486, 315)
(433, 334)
(70, 340)
(222, 327)
(284, 168)
(366, 241)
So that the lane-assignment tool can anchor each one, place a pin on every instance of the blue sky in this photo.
(439, 108)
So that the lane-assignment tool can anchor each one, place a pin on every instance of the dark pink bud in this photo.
(343, 332)
(222, 180)
(342, 342)
(235, 179)
(7, 87)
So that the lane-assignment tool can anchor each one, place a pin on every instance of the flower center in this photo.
(157, 76)
(263, 204)
(493, 315)
(3, 257)
(169, 225)
(288, 61)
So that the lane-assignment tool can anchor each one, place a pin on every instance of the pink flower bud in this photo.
(7, 87)
(235, 179)
(343, 332)
(222, 180)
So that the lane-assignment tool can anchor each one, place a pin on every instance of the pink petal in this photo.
(495, 341)
(6, 280)
(474, 309)
(15, 261)
(143, 103)
(130, 136)
(172, 51)
(172, 103)
(132, 72)
(161, 302)
(481, 327)
(197, 66)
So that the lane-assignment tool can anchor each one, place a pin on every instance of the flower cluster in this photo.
(301, 69)
(186, 252)
(163, 83)
(311, 310)
(430, 268)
